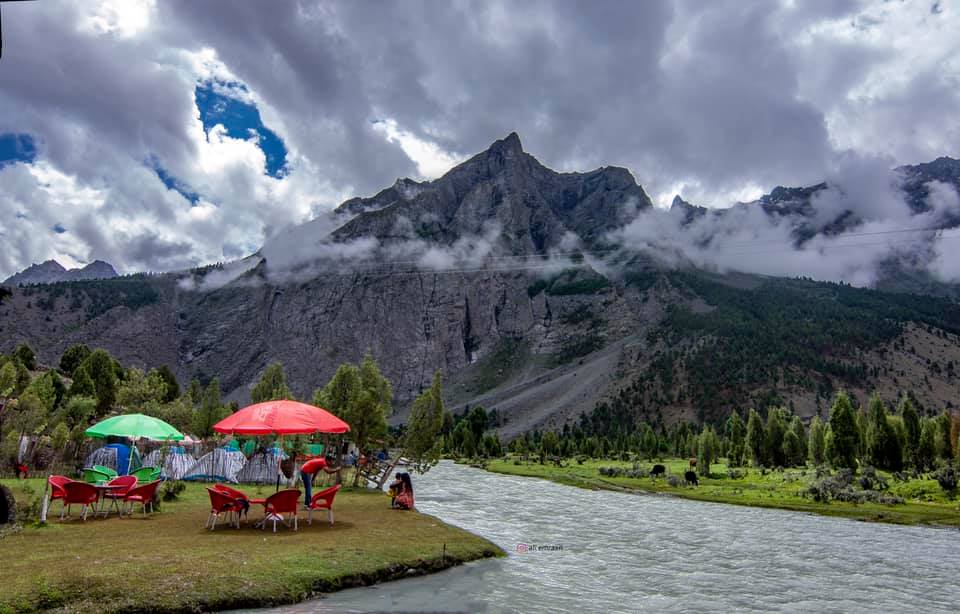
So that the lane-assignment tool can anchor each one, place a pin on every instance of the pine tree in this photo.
(25, 355)
(776, 429)
(82, 385)
(421, 443)
(911, 427)
(172, 386)
(102, 370)
(755, 437)
(340, 392)
(845, 435)
(272, 385)
(735, 431)
(210, 412)
(926, 445)
(817, 445)
(73, 357)
(883, 446)
(707, 445)
(649, 442)
(944, 445)
(796, 426)
(792, 451)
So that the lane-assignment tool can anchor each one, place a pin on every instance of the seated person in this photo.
(394, 488)
(309, 470)
(404, 499)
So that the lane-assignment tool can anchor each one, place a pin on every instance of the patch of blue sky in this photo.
(229, 104)
(17, 148)
(172, 182)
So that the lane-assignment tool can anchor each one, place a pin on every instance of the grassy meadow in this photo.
(924, 500)
(169, 562)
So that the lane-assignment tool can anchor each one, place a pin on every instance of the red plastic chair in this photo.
(233, 492)
(280, 503)
(240, 496)
(79, 493)
(323, 500)
(222, 503)
(143, 495)
(124, 484)
(56, 489)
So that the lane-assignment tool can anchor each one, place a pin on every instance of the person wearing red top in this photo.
(309, 470)
(404, 499)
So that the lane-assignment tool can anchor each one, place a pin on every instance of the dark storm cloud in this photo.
(711, 98)
(700, 91)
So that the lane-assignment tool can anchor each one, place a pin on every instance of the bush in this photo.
(28, 506)
(840, 488)
(581, 458)
(735, 474)
(170, 490)
(946, 476)
(870, 480)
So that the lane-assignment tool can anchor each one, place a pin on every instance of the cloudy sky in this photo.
(159, 135)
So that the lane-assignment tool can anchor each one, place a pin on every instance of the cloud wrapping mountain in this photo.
(714, 101)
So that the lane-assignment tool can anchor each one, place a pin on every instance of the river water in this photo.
(599, 551)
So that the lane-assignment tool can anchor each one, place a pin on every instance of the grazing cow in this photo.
(693, 463)
(657, 470)
(691, 478)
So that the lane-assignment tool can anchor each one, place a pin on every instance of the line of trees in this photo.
(55, 406)
(875, 435)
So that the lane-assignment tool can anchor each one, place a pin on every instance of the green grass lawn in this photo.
(925, 502)
(168, 562)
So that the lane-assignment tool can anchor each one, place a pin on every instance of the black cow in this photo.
(657, 470)
(691, 478)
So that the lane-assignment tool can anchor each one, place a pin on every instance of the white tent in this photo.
(221, 465)
(262, 467)
(176, 464)
(105, 457)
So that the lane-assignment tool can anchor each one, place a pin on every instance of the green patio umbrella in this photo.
(135, 426)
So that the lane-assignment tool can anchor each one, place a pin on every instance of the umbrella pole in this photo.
(279, 460)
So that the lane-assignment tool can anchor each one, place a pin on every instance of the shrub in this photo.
(581, 458)
(28, 506)
(840, 488)
(870, 480)
(946, 476)
(170, 490)
(736, 474)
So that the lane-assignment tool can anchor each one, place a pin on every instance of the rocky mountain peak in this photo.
(51, 271)
(502, 187)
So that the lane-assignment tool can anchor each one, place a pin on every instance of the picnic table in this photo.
(102, 490)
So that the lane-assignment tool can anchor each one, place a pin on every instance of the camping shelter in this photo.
(220, 465)
(116, 456)
(133, 426)
(281, 417)
(174, 462)
(261, 467)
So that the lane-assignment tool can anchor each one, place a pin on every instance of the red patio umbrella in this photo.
(281, 418)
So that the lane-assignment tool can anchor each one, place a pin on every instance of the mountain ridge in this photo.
(544, 327)
(51, 271)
